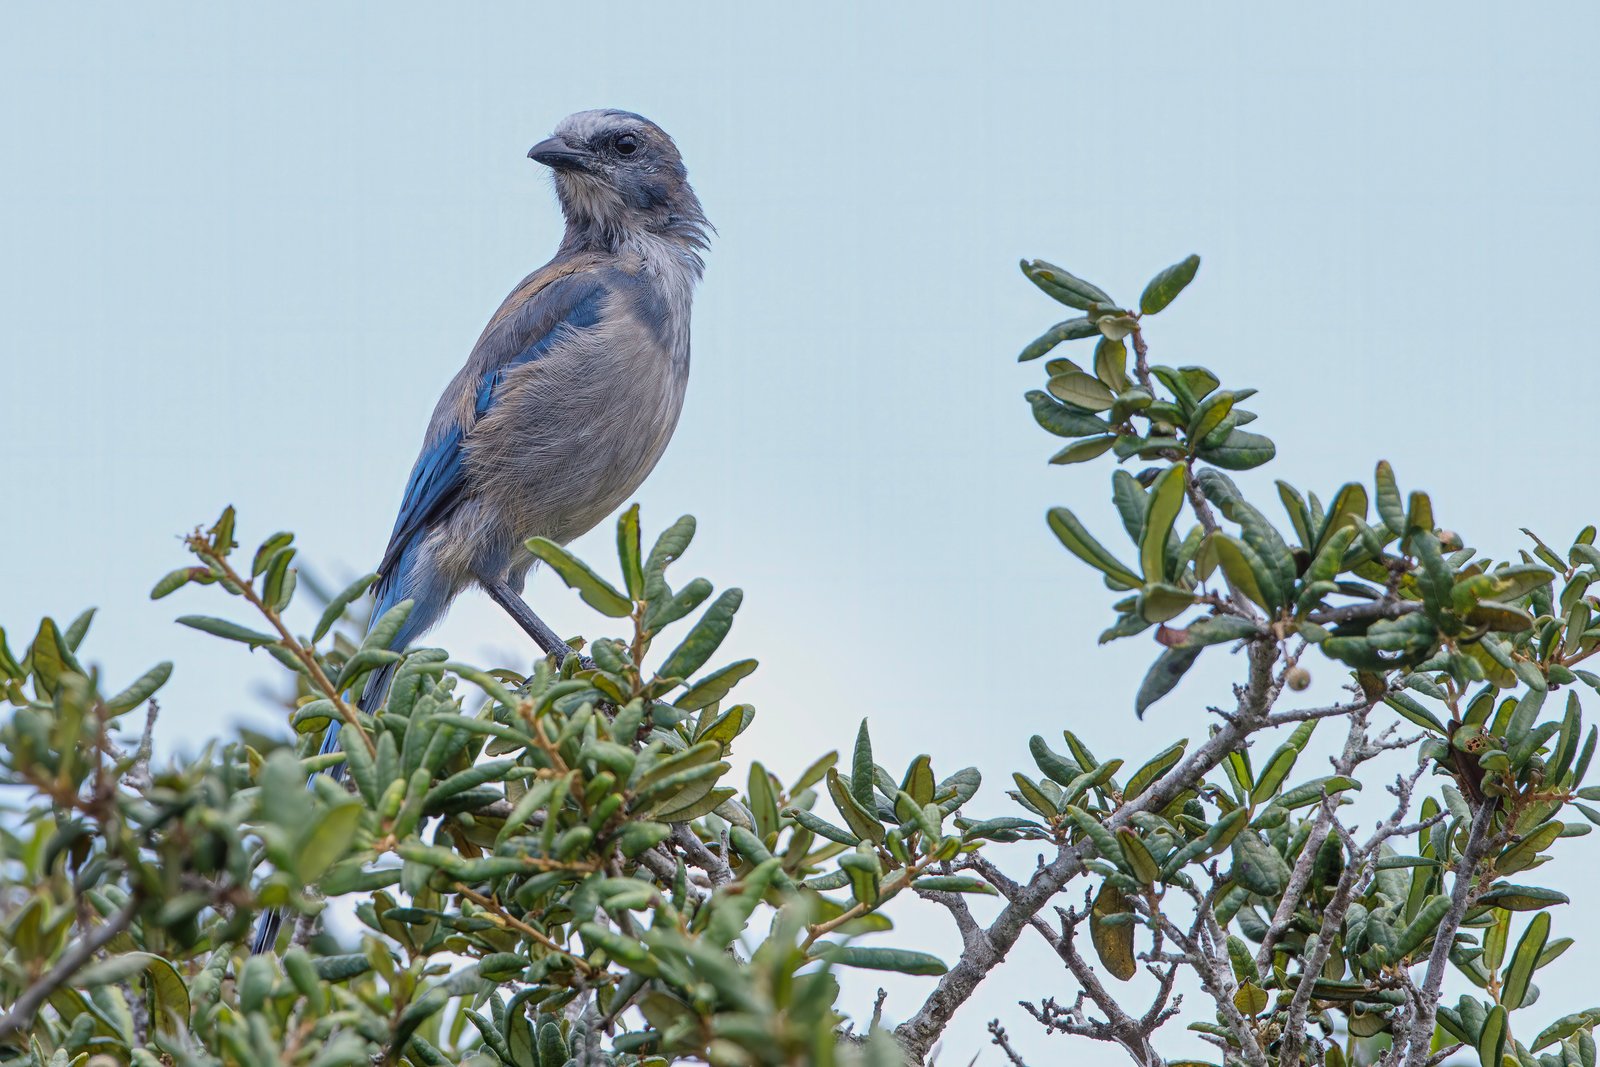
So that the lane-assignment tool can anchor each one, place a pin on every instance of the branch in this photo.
(982, 954)
(998, 1034)
(1356, 873)
(696, 854)
(1378, 609)
(1300, 877)
(71, 962)
(1461, 894)
(1132, 1034)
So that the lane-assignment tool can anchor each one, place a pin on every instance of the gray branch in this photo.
(982, 954)
(1461, 894)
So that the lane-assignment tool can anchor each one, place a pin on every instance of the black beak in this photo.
(556, 154)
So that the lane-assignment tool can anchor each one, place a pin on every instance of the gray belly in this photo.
(572, 448)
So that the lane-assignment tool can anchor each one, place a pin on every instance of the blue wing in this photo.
(437, 481)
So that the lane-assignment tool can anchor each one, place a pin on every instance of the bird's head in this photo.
(619, 174)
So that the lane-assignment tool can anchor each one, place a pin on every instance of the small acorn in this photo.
(1298, 678)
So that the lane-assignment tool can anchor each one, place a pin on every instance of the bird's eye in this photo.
(627, 144)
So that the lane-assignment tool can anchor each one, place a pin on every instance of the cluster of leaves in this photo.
(1419, 618)
(542, 833)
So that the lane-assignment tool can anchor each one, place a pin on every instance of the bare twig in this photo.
(998, 1034)
(1120, 1027)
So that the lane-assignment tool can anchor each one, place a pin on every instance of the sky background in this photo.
(244, 250)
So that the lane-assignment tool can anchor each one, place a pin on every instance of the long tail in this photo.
(372, 697)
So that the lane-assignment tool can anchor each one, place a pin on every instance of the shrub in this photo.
(561, 868)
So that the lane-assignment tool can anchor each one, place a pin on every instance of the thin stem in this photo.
(307, 659)
(492, 906)
(896, 882)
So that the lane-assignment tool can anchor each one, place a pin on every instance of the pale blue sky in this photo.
(244, 251)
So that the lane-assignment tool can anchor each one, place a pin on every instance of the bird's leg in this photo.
(518, 609)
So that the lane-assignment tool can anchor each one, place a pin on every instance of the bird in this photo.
(566, 401)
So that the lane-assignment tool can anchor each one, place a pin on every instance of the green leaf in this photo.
(1163, 676)
(1524, 961)
(713, 687)
(336, 607)
(1251, 999)
(1258, 866)
(861, 821)
(1036, 798)
(1082, 390)
(1390, 508)
(1350, 502)
(1095, 779)
(1216, 630)
(629, 552)
(595, 590)
(903, 961)
(1415, 712)
(1311, 792)
(1071, 533)
(1524, 854)
(1159, 602)
(704, 638)
(1329, 560)
(1244, 569)
(141, 690)
(1281, 762)
(1422, 927)
(1064, 286)
(1146, 776)
(822, 827)
(172, 581)
(1521, 897)
(1299, 515)
(952, 883)
(1565, 1027)
(1166, 500)
(1239, 451)
(327, 840)
(1113, 942)
(1209, 415)
(918, 782)
(672, 543)
(471, 778)
(167, 991)
(1070, 330)
(862, 769)
(1111, 363)
(1140, 861)
(1165, 287)
(1104, 841)
(1063, 420)
(232, 631)
(666, 609)
(1243, 964)
(1492, 1038)
(813, 774)
(1084, 450)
